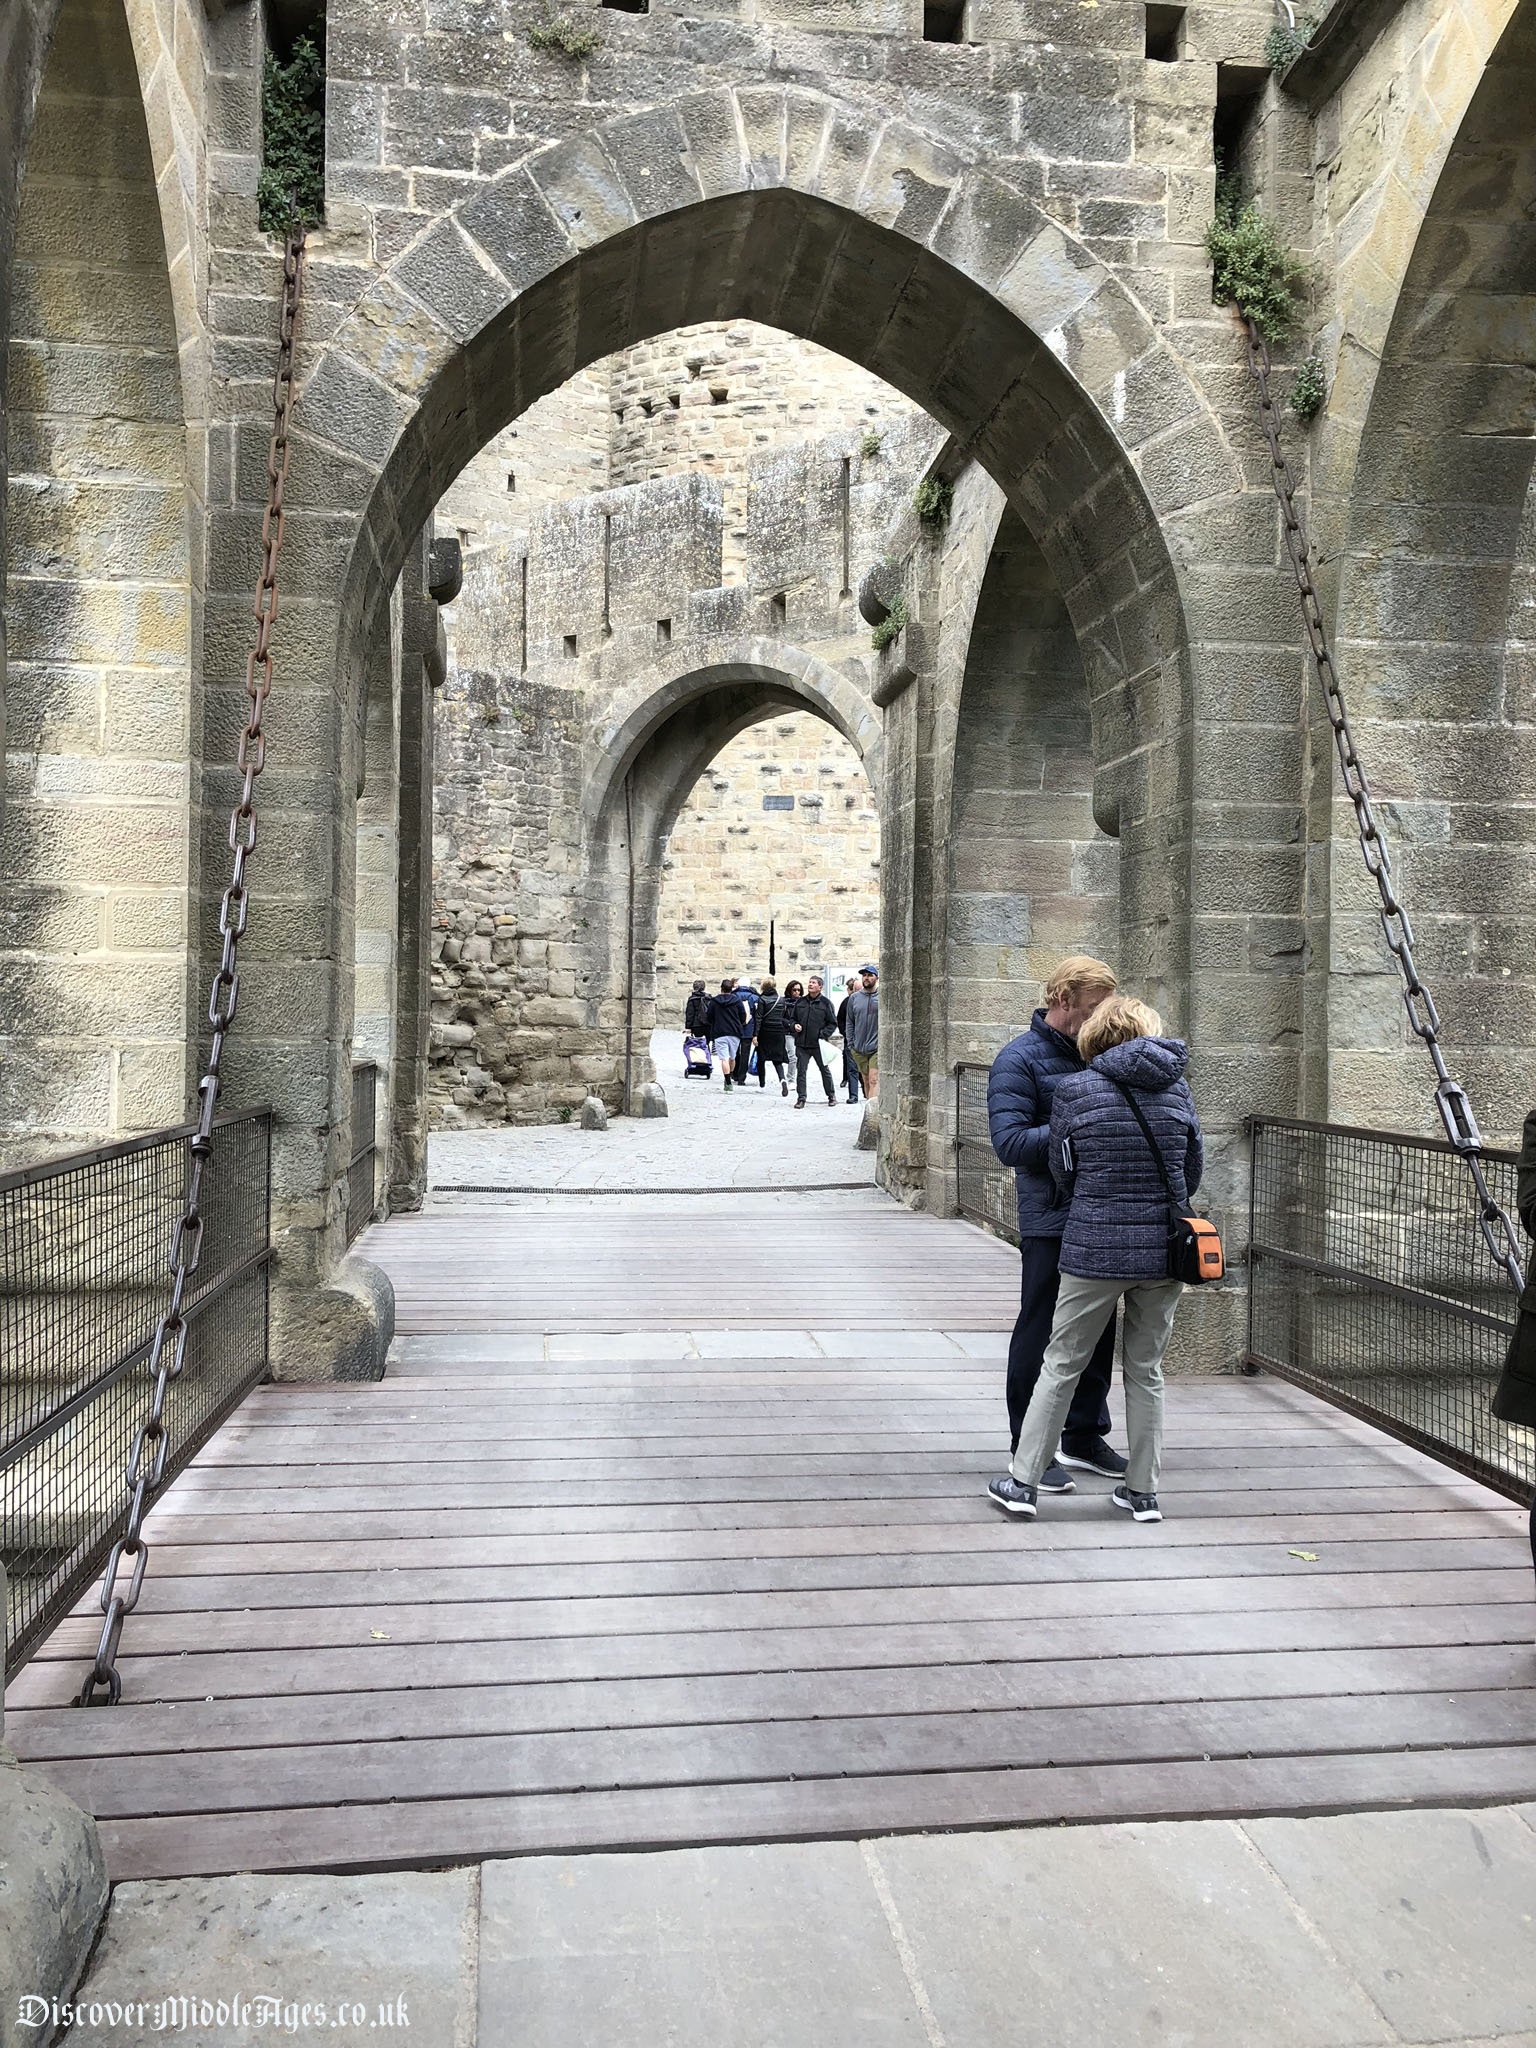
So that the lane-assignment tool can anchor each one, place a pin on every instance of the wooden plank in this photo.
(375, 1666)
(494, 1766)
(198, 1725)
(862, 1608)
(388, 1836)
(367, 1584)
(1219, 1518)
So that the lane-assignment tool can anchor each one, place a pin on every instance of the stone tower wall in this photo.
(731, 864)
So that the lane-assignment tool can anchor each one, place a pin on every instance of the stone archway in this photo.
(563, 1002)
(901, 251)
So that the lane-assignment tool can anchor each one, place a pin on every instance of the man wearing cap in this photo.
(862, 1029)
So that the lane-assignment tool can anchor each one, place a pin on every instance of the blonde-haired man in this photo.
(1023, 1083)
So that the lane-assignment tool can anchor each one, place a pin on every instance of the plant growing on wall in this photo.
(896, 620)
(1285, 42)
(1251, 267)
(870, 442)
(558, 34)
(934, 500)
(292, 181)
(1309, 389)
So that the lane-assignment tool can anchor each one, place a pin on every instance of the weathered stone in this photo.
(653, 1099)
(594, 1114)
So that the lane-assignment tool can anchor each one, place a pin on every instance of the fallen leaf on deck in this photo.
(1306, 1556)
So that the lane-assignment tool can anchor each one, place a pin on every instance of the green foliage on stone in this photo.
(895, 622)
(1251, 267)
(870, 442)
(1309, 389)
(934, 500)
(1284, 44)
(559, 35)
(292, 179)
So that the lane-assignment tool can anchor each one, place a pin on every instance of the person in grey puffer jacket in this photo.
(1115, 1246)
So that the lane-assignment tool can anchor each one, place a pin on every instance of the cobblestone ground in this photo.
(752, 1138)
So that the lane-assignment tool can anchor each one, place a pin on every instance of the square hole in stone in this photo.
(1164, 25)
(778, 605)
(570, 646)
(944, 21)
(718, 394)
(663, 630)
(629, 6)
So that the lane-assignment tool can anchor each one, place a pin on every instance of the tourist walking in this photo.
(862, 1034)
(811, 1020)
(1514, 1398)
(1124, 1176)
(1022, 1086)
(772, 1030)
(746, 996)
(696, 1015)
(851, 1079)
(725, 1029)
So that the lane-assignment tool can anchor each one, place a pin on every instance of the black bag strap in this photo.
(1146, 1131)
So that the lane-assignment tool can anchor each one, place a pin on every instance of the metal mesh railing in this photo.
(1371, 1284)
(984, 1187)
(362, 1168)
(84, 1251)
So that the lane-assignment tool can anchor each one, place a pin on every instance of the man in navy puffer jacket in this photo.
(1024, 1079)
(1115, 1246)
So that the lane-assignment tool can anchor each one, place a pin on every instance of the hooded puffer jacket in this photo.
(1117, 1225)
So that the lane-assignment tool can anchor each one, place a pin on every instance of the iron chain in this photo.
(168, 1353)
(1451, 1099)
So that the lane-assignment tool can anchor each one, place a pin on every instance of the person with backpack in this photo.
(811, 1020)
(1126, 1152)
(772, 1029)
(696, 1015)
(1514, 1398)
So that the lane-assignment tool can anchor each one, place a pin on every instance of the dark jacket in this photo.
(1515, 1397)
(1117, 1222)
(1023, 1082)
(696, 1016)
(772, 1022)
(727, 1019)
(811, 1019)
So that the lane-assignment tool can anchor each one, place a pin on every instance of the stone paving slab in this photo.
(1339, 1932)
(1435, 1913)
(386, 1957)
(751, 1138)
(779, 1946)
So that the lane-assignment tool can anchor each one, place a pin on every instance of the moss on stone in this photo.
(895, 622)
(559, 35)
(934, 500)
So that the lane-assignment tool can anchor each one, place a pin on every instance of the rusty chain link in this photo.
(1451, 1101)
(151, 1445)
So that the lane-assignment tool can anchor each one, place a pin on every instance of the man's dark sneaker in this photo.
(1013, 1495)
(1054, 1480)
(727, 1084)
(1101, 1457)
(1142, 1507)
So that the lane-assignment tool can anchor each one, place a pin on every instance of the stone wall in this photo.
(731, 864)
(94, 862)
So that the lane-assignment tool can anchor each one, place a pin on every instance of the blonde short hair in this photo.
(1117, 1020)
(1071, 976)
